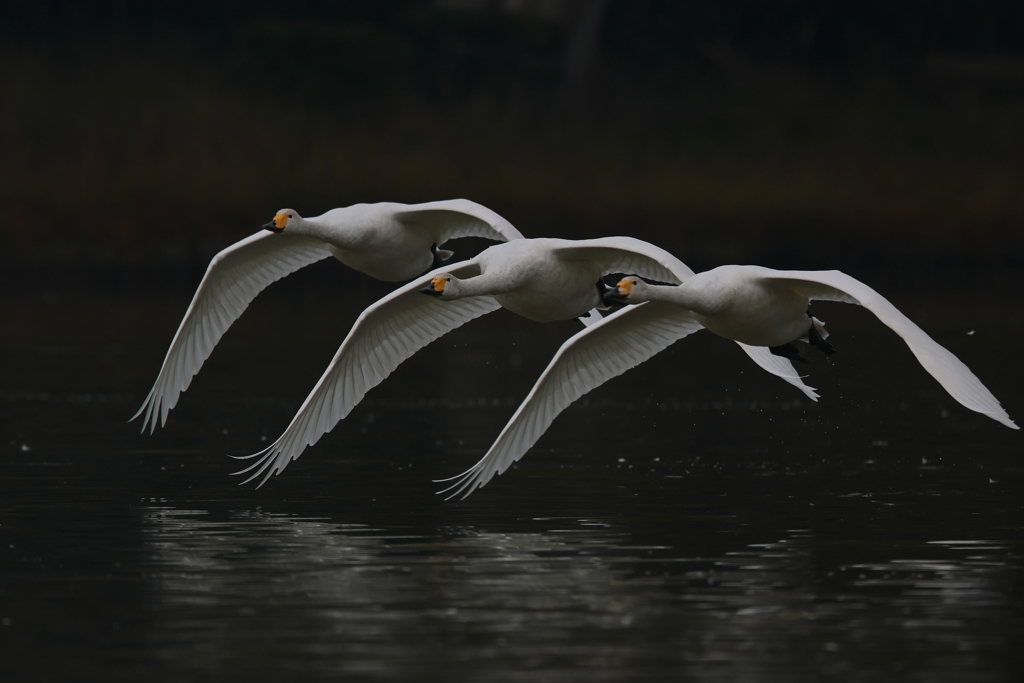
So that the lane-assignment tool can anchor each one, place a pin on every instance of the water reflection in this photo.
(570, 598)
(740, 537)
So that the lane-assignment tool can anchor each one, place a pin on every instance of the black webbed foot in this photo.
(789, 351)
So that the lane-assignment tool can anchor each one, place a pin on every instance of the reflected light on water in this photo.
(316, 595)
(683, 522)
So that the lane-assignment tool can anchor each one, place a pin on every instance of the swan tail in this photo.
(819, 327)
(441, 256)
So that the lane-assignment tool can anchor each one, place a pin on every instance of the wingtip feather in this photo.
(139, 411)
(1002, 418)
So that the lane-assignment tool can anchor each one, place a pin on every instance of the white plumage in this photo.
(540, 279)
(387, 241)
(756, 306)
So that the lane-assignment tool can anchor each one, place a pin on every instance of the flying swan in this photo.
(387, 241)
(768, 309)
(540, 279)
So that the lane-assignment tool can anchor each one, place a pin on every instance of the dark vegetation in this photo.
(862, 134)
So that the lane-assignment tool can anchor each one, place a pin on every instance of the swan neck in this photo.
(333, 234)
(480, 285)
(680, 295)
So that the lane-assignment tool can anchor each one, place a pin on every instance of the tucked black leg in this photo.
(815, 339)
(603, 291)
(438, 262)
(789, 351)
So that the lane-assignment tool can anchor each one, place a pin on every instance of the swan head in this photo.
(443, 286)
(629, 290)
(282, 220)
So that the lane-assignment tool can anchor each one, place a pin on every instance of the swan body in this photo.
(732, 302)
(387, 241)
(531, 279)
(393, 242)
(540, 279)
(748, 304)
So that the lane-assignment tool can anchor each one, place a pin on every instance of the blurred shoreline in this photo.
(141, 144)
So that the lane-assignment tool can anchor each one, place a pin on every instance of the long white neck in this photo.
(332, 233)
(685, 295)
(345, 228)
(484, 284)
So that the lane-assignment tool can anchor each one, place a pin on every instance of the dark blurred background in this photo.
(790, 541)
(888, 138)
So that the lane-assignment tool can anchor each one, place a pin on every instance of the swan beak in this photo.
(619, 293)
(276, 225)
(435, 288)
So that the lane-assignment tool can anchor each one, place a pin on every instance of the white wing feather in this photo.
(384, 335)
(587, 360)
(233, 279)
(454, 218)
(636, 257)
(951, 373)
(628, 255)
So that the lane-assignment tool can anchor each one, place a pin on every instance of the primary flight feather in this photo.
(387, 241)
(541, 279)
(759, 307)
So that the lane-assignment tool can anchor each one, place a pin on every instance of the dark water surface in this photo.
(694, 519)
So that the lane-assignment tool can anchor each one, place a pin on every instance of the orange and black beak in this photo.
(618, 293)
(435, 288)
(276, 225)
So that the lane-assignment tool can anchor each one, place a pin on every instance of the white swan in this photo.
(387, 241)
(540, 279)
(749, 304)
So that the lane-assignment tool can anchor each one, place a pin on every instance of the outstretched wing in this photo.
(951, 373)
(384, 335)
(233, 279)
(587, 360)
(636, 257)
(455, 218)
(627, 255)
